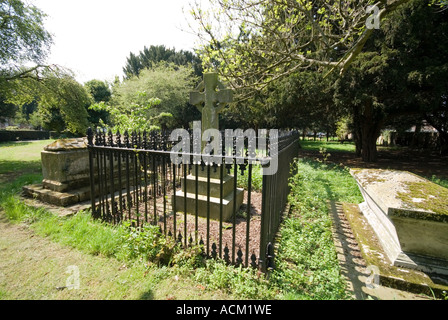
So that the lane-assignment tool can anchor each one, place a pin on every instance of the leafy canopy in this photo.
(22, 35)
(253, 43)
(156, 99)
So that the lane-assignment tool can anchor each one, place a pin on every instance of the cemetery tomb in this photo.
(409, 215)
(65, 170)
(66, 173)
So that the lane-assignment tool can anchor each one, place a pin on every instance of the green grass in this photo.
(307, 258)
(330, 146)
(306, 264)
(18, 157)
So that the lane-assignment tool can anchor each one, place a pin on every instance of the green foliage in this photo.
(257, 178)
(7, 110)
(158, 97)
(68, 97)
(152, 56)
(22, 34)
(100, 92)
(306, 262)
(245, 283)
(129, 118)
(62, 101)
(255, 43)
(343, 127)
(147, 243)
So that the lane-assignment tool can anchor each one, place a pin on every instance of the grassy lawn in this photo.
(19, 157)
(119, 262)
(330, 146)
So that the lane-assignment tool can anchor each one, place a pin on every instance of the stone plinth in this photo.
(215, 191)
(65, 165)
(409, 214)
(65, 170)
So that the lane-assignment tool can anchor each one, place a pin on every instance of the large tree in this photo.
(22, 35)
(400, 75)
(100, 92)
(158, 97)
(23, 39)
(62, 101)
(149, 57)
(255, 42)
(24, 77)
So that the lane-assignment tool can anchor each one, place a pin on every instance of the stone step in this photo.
(215, 204)
(57, 198)
(215, 185)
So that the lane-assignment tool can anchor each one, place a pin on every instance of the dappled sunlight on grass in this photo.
(23, 156)
(330, 146)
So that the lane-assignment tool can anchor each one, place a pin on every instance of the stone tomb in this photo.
(65, 170)
(409, 215)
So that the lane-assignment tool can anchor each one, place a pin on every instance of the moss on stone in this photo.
(391, 276)
(426, 195)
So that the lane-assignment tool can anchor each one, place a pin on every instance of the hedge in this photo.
(17, 135)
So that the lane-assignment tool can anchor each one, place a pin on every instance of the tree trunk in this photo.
(369, 137)
(370, 129)
(357, 135)
(443, 137)
(415, 141)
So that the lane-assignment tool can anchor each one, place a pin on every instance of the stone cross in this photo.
(212, 93)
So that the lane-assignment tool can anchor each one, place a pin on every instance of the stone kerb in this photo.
(399, 206)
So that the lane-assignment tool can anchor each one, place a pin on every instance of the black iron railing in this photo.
(133, 177)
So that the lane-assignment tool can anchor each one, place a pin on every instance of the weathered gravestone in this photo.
(65, 170)
(409, 214)
(210, 98)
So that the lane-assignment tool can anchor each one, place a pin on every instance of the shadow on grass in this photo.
(17, 167)
(148, 295)
(15, 143)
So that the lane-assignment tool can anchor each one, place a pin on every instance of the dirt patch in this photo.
(231, 234)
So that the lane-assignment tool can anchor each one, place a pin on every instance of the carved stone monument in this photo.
(210, 98)
(409, 214)
(214, 96)
(65, 170)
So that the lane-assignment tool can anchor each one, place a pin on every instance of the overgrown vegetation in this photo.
(306, 259)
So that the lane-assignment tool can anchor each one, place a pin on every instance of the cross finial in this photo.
(212, 94)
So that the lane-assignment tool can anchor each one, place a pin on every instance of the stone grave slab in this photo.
(409, 214)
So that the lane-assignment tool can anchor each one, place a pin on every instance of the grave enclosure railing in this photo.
(132, 177)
